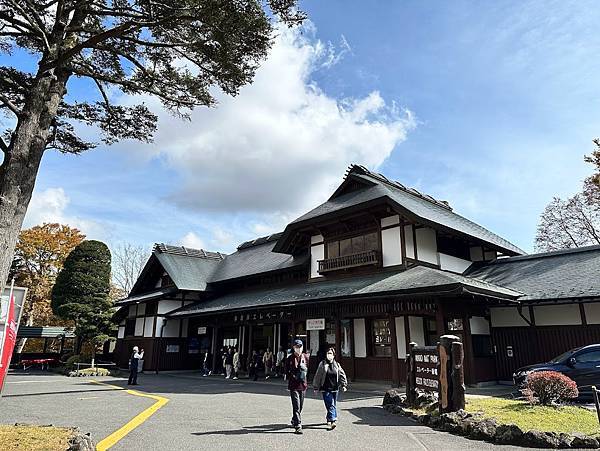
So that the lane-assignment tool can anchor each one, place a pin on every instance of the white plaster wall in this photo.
(159, 322)
(390, 246)
(417, 332)
(360, 339)
(132, 311)
(141, 310)
(390, 220)
(139, 327)
(454, 264)
(508, 317)
(316, 239)
(427, 245)
(476, 253)
(171, 330)
(479, 325)
(149, 326)
(121, 332)
(316, 253)
(409, 242)
(592, 312)
(400, 337)
(551, 315)
(167, 305)
(184, 328)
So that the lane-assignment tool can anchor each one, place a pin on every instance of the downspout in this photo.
(160, 341)
(520, 312)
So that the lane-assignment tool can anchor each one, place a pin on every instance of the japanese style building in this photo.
(377, 266)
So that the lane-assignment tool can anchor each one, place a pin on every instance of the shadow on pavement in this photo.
(64, 392)
(262, 429)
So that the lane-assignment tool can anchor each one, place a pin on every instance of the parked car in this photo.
(580, 364)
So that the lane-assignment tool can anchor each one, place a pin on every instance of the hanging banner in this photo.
(8, 340)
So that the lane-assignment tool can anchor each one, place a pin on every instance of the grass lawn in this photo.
(34, 438)
(567, 419)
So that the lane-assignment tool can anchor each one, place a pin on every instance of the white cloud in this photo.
(51, 205)
(281, 145)
(192, 240)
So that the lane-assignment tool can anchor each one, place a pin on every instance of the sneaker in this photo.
(329, 425)
(298, 430)
(226, 377)
(267, 378)
(235, 378)
(333, 425)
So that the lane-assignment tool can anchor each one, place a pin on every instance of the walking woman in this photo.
(330, 378)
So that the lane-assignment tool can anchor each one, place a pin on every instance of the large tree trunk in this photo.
(20, 166)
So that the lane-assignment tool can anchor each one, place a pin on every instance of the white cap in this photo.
(135, 348)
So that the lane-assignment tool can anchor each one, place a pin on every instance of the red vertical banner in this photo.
(9, 339)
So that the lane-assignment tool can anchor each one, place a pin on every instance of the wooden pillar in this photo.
(407, 333)
(469, 358)
(215, 336)
(250, 330)
(353, 350)
(45, 345)
(439, 319)
(395, 362)
(338, 337)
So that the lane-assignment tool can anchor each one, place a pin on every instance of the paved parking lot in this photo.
(213, 413)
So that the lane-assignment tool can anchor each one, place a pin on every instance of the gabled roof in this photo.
(417, 280)
(376, 188)
(254, 257)
(190, 269)
(565, 274)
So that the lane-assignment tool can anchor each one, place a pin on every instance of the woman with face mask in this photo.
(330, 378)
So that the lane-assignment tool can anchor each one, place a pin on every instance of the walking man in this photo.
(330, 378)
(297, 375)
(136, 356)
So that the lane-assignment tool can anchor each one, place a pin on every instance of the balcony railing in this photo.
(349, 261)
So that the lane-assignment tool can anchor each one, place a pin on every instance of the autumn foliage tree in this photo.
(178, 51)
(39, 256)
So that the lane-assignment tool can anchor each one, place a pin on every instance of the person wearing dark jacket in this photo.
(297, 375)
(330, 378)
(136, 356)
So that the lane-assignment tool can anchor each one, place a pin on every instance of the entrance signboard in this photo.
(426, 368)
(315, 324)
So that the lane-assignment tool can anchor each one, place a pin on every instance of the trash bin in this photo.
(140, 366)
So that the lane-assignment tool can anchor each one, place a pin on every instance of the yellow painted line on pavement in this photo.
(113, 438)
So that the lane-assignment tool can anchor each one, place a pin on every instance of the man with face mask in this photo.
(297, 374)
(330, 378)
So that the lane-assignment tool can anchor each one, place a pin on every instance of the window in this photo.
(354, 245)
(382, 338)
(455, 325)
(588, 357)
(482, 345)
(130, 327)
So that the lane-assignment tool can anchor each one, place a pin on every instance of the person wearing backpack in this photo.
(297, 375)
(330, 378)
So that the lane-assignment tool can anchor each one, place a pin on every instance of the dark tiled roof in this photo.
(572, 273)
(254, 257)
(425, 208)
(44, 332)
(415, 280)
(158, 293)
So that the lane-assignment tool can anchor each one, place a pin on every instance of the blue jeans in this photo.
(330, 400)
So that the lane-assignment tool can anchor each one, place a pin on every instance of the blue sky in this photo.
(489, 105)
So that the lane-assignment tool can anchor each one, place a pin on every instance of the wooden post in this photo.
(411, 393)
(439, 319)
(458, 376)
(445, 372)
(596, 401)
(394, 346)
(469, 358)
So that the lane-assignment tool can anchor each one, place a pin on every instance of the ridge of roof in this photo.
(356, 168)
(260, 240)
(575, 250)
(186, 251)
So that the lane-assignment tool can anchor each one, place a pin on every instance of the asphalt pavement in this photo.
(214, 413)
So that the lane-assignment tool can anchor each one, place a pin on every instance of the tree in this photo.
(174, 50)
(39, 256)
(592, 183)
(81, 294)
(128, 261)
(568, 224)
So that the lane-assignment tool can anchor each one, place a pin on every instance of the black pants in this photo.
(133, 375)
(297, 404)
